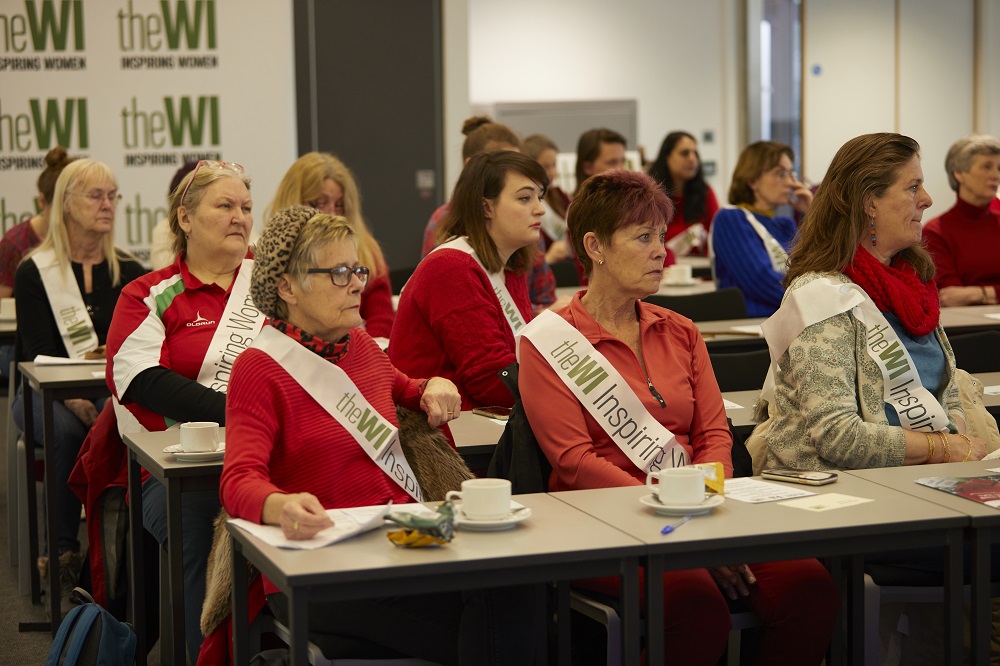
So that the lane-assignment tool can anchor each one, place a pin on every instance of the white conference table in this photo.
(698, 287)
(738, 532)
(557, 542)
(52, 383)
(983, 532)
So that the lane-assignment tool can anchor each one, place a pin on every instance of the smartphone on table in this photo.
(807, 477)
(501, 413)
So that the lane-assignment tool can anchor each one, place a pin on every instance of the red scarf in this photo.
(897, 288)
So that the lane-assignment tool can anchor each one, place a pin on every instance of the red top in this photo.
(449, 324)
(580, 451)
(17, 242)
(376, 305)
(964, 242)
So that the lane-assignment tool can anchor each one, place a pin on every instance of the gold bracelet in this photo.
(969, 453)
(947, 448)
(930, 448)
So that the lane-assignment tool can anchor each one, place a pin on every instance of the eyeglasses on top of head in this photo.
(210, 164)
(97, 196)
(341, 275)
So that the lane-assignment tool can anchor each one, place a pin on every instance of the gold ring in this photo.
(295, 526)
(451, 413)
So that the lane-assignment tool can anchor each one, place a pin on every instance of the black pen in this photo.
(673, 526)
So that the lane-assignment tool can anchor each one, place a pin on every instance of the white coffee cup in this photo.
(678, 486)
(679, 274)
(199, 436)
(8, 310)
(483, 499)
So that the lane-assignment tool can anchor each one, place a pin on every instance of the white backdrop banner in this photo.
(144, 85)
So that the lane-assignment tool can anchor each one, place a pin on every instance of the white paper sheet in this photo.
(754, 329)
(992, 390)
(993, 315)
(42, 359)
(729, 404)
(825, 502)
(346, 524)
(753, 491)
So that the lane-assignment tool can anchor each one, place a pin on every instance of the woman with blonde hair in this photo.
(66, 290)
(324, 182)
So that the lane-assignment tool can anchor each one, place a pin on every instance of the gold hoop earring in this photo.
(600, 262)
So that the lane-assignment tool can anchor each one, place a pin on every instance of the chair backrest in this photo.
(398, 277)
(740, 371)
(566, 273)
(977, 352)
(725, 303)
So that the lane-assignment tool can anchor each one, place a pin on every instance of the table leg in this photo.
(27, 400)
(981, 594)
(298, 626)
(136, 553)
(631, 622)
(835, 655)
(954, 617)
(565, 622)
(654, 614)
(49, 448)
(175, 550)
(856, 610)
(241, 604)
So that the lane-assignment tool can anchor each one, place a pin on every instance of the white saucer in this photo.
(710, 503)
(680, 283)
(196, 456)
(496, 525)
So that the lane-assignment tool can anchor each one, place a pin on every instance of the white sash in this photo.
(775, 252)
(66, 301)
(241, 322)
(823, 298)
(587, 373)
(507, 305)
(335, 392)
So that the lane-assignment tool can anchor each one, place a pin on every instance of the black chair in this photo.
(565, 272)
(398, 277)
(740, 371)
(725, 303)
(977, 352)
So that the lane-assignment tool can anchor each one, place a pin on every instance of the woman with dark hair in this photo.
(748, 243)
(459, 312)
(865, 376)
(678, 168)
(656, 367)
(544, 150)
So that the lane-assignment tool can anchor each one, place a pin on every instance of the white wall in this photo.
(455, 34)
(888, 66)
(674, 56)
(988, 80)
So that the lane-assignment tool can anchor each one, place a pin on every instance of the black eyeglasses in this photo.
(340, 276)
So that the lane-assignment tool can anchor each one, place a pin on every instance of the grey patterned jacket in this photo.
(828, 410)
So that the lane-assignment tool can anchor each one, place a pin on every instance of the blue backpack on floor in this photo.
(89, 635)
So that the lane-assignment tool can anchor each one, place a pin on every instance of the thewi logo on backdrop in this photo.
(42, 35)
(150, 40)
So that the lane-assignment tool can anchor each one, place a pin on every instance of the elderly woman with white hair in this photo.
(286, 404)
(66, 291)
(964, 239)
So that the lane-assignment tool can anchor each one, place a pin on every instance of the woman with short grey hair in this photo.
(963, 240)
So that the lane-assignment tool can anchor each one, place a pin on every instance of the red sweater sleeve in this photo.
(376, 306)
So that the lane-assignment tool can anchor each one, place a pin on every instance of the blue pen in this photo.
(673, 526)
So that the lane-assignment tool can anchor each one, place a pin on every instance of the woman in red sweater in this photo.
(459, 312)
(322, 181)
(667, 387)
(298, 447)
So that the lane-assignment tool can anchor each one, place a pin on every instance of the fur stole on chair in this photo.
(437, 466)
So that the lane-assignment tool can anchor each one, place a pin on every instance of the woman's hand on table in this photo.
(83, 410)
(300, 515)
(440, 401)
(734, 581)
(953, 296)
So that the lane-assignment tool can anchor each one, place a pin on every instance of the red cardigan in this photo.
(376, 305)
(964, 242)
(449, 324)
(580, 451)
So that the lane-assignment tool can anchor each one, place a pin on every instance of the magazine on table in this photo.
(983, 489)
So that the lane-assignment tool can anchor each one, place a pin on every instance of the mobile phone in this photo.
(501, 413)
(807, 477)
